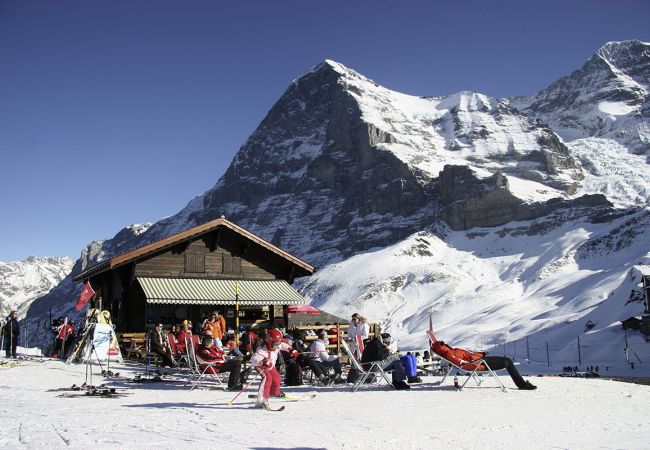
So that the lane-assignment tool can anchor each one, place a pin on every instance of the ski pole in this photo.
(244, 389)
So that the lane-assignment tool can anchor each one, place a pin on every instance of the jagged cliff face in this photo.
(608, 97)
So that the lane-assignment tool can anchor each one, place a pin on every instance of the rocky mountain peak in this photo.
(631, 58)
(609, 96)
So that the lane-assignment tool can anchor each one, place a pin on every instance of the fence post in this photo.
(548, 359)
(338, 338)
(579, 355)
(527, 351)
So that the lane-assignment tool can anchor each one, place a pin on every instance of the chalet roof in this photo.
(174, 239)
(198, 291)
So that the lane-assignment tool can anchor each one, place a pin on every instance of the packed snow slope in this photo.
(515, 290)
(341, 168)
(582, 414)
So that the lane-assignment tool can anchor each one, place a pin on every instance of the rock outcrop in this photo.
(467, 201)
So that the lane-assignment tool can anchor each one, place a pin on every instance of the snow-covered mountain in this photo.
(496, 199)
(607, 97)
(21, 282)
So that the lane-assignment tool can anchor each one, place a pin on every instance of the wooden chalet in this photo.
(214, 266)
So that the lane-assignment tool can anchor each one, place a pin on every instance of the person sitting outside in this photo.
(462, 357)
(209, 353)
(306, 360)
(318, 351)
(230, 346)
(377, 351)
(159, 345)
(248, 341)
(174, 343)
(183, 331)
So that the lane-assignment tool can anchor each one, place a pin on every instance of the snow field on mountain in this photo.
(489, 291)
(561, 413)
(623, 177)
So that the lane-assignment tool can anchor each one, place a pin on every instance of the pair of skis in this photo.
(90, 391)
(290, 397)
(287, 397)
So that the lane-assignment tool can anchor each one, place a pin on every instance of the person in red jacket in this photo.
(172, 337)
(263, 361)
(464, 358)
(64, 338)
(212, 359)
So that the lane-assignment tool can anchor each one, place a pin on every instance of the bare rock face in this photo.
(468, 202)
(313, 179)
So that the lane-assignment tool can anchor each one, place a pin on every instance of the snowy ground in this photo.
(562, 413)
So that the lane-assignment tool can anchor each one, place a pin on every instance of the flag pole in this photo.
(237, 311)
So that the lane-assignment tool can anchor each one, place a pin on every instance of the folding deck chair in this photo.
(374, 369)
(471, 368)
(180, 360)
(196, 362)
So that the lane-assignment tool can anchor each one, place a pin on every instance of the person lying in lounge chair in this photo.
(463, 359)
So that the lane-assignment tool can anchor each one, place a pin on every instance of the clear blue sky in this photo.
(117, 112)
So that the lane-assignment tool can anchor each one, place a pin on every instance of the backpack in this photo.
(410, 365)
(293, 374)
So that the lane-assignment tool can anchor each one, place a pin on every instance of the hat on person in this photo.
(288, 337)
(385, 337)
(322, 333)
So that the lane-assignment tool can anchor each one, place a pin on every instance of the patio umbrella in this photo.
(301, 309)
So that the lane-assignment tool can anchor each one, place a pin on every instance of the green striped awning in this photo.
(196, 291)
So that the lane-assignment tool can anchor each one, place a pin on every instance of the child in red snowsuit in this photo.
(263, 360)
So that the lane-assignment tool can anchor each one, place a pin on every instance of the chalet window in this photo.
(231, 264)
(194, 262)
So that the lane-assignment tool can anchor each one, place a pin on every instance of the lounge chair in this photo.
(374, 369)
(469, 368)
(199, 374)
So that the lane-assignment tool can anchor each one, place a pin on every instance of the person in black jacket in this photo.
(160, 346)
(377, 350)
(11, 331)
(306, 360)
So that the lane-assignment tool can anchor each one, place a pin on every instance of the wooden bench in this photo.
(133, 343)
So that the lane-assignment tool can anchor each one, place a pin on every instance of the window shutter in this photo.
(231, 264)
(194, 262)
(227, 263)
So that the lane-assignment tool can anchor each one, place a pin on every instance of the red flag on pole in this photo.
(86, 294)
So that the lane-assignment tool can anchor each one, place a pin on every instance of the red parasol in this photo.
(301, 309)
